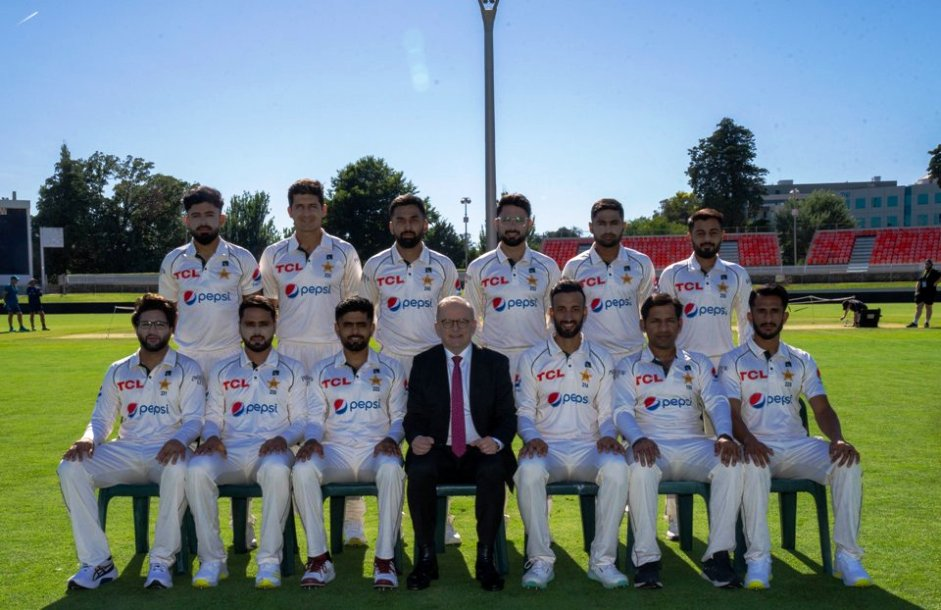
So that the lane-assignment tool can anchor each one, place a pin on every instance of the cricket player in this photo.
(256, 410)
(616, 281)
(509, 286)
(207, 278)
(764, 379)
(160, 397)
(354, 428)
(711, 291)
(564, 411)
(661, 393)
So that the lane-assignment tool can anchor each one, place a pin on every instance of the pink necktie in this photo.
(458, 437)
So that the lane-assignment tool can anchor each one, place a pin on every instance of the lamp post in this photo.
(794, 194)
(488, 11)
(465, 202)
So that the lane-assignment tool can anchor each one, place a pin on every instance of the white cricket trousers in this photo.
(573, 461)
(343, 463)
(684, 460)
(241, 466)
(802, 458)
(115, 463)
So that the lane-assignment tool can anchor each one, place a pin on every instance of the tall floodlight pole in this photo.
(465, 201)
(488, 10)
(794, 194)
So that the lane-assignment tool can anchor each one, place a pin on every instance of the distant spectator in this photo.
(856, 306)
(34, 292)
(925, 291)
(11, 300)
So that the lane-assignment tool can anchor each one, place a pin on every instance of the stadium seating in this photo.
(893, 246)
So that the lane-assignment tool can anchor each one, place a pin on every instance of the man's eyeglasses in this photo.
(513, 220)
(450, 324)
(158, 325)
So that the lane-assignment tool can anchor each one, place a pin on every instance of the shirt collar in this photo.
(502, 257)
(169, 359)
(465, 353)
(326, 241)
(372, 358)
(424, 257)
(695, 266)
(555, 350)
(759, 352)
(222, 249)
(271, 360)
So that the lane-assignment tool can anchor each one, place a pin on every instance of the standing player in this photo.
(925, 292)
(11, 300)
(711, 290)
(208, 278)
(662, 392)
(564, 414)
(160, 398)
(616, 281)
(405, 283)
(509, 286)
(256, 409)
(764, 379)
(354, 428)
(34, 293)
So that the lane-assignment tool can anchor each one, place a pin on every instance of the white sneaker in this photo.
(268, 577)
(758, 575)
(318, 572)
(210, 574)
(451, 536)
(91, 577)
(851, 570)
(608, 575)
(384, 577)
(539, 573)
(158, 577)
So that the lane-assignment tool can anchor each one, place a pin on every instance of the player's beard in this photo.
(257, 346)
(410, 242)
(355, 343)
(153, 347)
(608, 241)
(514, 241)
(568, 333)
(707, 254)
(768, 335)
(205, 238)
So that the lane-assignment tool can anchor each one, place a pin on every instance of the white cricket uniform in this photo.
(709, 301)
(406, 296)
(614, 293)
(155, 407)
(349, 414)
(245, 407)
(308, 288)
(769, 388)
(664, 406)
(567, 401)
(511, 301)
(208, 295)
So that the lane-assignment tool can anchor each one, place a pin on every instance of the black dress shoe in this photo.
(486, 572)
(426, 569)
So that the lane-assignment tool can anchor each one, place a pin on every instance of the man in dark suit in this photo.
(458, 377)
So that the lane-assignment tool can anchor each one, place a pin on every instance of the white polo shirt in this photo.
(356, 408)
(770, 389)
(511, 300)
(565, 398)
(308, 288)
(208, 295)
(614, 293)
(406, 296)
(156, 406)
(659, 405)
(249, 403)
(709, 302)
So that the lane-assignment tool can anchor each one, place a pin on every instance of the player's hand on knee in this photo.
(843, 454)
(80, 450)
(387, 446)
(645, 451)
(210, 445)
(757, 452)
(609, 444)
(171, 451)
(534, 448)
(728, 450)
(309, 449)
(273, 445)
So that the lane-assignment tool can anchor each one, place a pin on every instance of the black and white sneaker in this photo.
(718, 570)
(91, 577)
(648, 576)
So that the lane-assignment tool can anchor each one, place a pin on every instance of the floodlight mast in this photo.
(488, 11)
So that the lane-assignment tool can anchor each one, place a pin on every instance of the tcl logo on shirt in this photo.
(288, 267)
(389, 280)
(752, 375)
(550, 375)
(647, 379)
(687, 286)
(133, 384)
(232, 384)
(335, 382)
(494, 281)
(593, 281)
(186, 274)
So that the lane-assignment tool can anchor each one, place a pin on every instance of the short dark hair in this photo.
(408, 199)
(202, 194)
(517, 199)
(658, 300)
(566, 285)
(704, 214)
(352, 304)
(769, 290)
(258, 302)
(607, 204)
(305, 186)
(154, 302)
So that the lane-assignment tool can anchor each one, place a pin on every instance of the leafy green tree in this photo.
(657, 224)
(679, 207)
(248, 224)
(723, 174)
(155, 219)
(934, 165)
(819, 210)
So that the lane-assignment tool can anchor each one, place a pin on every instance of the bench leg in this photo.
(823, 525)
(787, 506)
(684, 510)
(289, 547)
(337, 513)
(239, 519)
(141, 523)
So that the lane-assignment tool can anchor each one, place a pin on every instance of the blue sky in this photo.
(593, 98)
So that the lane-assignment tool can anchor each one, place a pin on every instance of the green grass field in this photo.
(883, 382)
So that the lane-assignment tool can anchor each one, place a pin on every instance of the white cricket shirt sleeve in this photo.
(740, 305)
(297, 405)
(713, 397)
(105, 412)
(168, 287)
(604, 400)
(215, 404)
(398, 398)
(269, 281)
(728, 376)
(250, 280)
(369, 289)
(352, 274)
(192, 401)
(527, 397)
(624, 400)
(811, 383)
(316, 403)
(472, 289)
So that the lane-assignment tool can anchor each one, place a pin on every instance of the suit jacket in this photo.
(492, 406)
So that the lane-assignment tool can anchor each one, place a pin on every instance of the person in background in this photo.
(34, 293)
